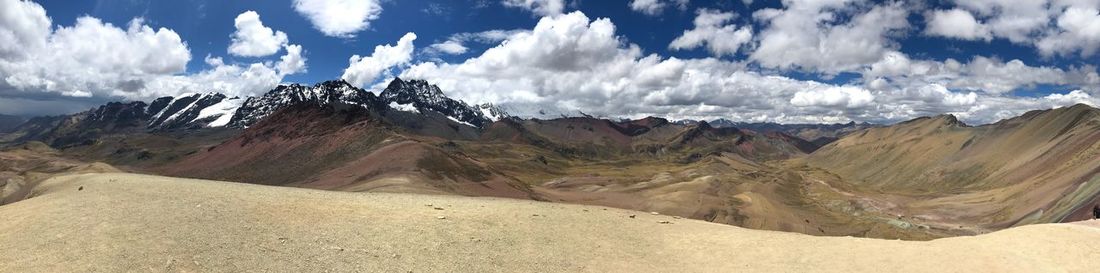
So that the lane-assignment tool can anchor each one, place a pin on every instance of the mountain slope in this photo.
(341, 146)
(818, 134)
(1039, 167)
(8, 123)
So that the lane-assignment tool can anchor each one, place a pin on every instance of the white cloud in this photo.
(92, 58)
(252, 38)
(956, 23)
(712, 30)
(1057, 27)
(835, 96)
(456, 43)
(981, 74)
(339, 18)
(538, 7)
(229, 79)
(1078, 30)
(655, 7)
(936, 94)
(571, 63)
(292, 62)
(1073, 97)
(233, 80)
(364, 70)
(807, 35)
(1015, 20)
(93, 61)
(23, 25)
(449, 47)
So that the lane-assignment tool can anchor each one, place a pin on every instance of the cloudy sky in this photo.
(791, 61)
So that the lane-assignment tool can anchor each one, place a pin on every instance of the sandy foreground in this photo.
(129, 222)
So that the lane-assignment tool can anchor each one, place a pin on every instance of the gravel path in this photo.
(129, 222)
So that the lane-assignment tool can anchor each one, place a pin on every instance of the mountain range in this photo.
(8, 122)
(920, 179)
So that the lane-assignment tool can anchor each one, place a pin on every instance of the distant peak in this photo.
(948, 118)
(939, 120)
(1082, 106)
(703, 125)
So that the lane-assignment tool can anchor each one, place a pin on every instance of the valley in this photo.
(917, 180)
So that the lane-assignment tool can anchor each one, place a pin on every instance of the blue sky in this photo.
(206, 28)
(740, 83)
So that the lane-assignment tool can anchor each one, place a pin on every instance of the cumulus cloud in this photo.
(1073, 97)
(835, 96)
(292, 62)
(538, 7)
(572, 63)
(452, 47)
(655, 7)
(1053, 27)
(364, 70)
(807, 35)
(1015, 20)
(956, 23)
(22, 25)
(252, 38)
(711, 29)
(339, 18)
(983, 74)
(92, 62)
(1078, 31)
(93, 58)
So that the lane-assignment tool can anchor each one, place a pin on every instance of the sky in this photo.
(790, 61)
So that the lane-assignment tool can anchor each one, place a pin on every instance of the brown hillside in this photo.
(1035, 168)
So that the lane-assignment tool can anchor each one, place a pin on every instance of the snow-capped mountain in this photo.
(206, 110)
(492, 112)
(191, 110)
(424, 96)
(415, 96)
(339, 91)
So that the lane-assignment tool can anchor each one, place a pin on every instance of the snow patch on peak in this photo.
(459, 121)
(222, 112)
(408, 107)
(492, 112)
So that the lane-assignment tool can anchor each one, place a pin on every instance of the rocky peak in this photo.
(703, 125)
(321, 94)
(428, 97)
(130, 113)
(404, 92)
(949, 120)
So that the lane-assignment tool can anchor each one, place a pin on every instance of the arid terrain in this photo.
(550, 136)
(922, 179)
(127, 222)
(419, 190)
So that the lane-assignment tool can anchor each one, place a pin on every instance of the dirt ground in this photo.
(128, 222)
